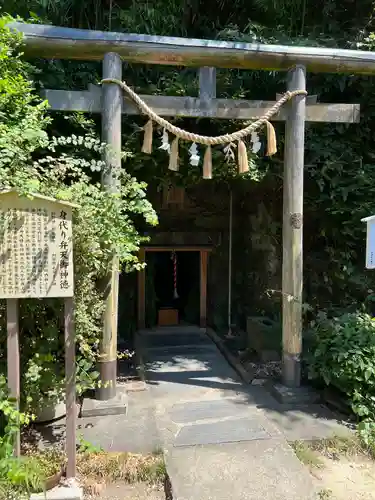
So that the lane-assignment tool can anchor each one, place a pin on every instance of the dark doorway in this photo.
(160, 285)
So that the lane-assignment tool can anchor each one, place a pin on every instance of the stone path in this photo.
(135, 432)
(219, 442)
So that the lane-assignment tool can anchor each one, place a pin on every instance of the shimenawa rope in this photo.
(206, 140)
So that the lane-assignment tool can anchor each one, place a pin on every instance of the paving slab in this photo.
(308, 422)
(220, 435)
(226, 431)
(172, 330)
(136, 432)
(192, 351)
(167, 361)
(256, 470)
(97, 408)
(171, 339)
(196, 411)
(298, 395)
(175, 378)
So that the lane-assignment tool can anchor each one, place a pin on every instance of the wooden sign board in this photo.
(36, 251)
(370, 242)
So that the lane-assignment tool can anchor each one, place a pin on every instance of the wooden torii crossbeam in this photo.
(113, 48)
(204, 106)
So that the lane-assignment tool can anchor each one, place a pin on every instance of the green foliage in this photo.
(16, 476)
(85, 446)
(339, 159)
(20, 477)
(102, 226)
(28, 474)
(343, 355)
(339, 181)
(68, 168)
(11, 419)
(22, 114)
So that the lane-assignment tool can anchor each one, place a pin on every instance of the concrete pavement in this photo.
(218, 440)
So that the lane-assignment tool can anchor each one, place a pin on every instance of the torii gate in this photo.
(114, 48)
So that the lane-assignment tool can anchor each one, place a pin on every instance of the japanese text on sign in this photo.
(36, 255)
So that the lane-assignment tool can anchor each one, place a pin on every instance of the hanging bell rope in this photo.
(179, 133)
(174, 259)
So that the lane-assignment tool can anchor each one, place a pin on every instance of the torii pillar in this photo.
(292, 272)
(111, 135)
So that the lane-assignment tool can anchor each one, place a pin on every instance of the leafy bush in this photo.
(10, 420)
(22, 113)
(21, 476)
(343, 355)
(16, 476)
(65, 168)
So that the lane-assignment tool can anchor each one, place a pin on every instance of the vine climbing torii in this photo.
(294, 107)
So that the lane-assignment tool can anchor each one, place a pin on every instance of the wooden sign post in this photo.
(36, 261)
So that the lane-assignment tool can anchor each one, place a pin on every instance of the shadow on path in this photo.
(179, 361)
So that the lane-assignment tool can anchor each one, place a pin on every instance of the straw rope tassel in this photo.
(173, 157)
(202, 139)
(147, 139)
(243, 164)
(207, 163)
(271, 139)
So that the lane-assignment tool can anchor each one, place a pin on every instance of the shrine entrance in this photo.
(172, 289)
(115, 98)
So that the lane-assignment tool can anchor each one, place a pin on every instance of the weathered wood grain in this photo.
(207, 83)
(70, 381)
(203, 289)
(193, 107)
(68, 43)
(111, 135)
(292, 274)
(13, 362)
(141, 288)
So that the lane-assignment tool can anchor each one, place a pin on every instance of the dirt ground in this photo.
(119, 476)
(339, 478)
(346, 478)
(340, 475)
(138, 491)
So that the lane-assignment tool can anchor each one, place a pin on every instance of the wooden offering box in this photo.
(167, 317)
